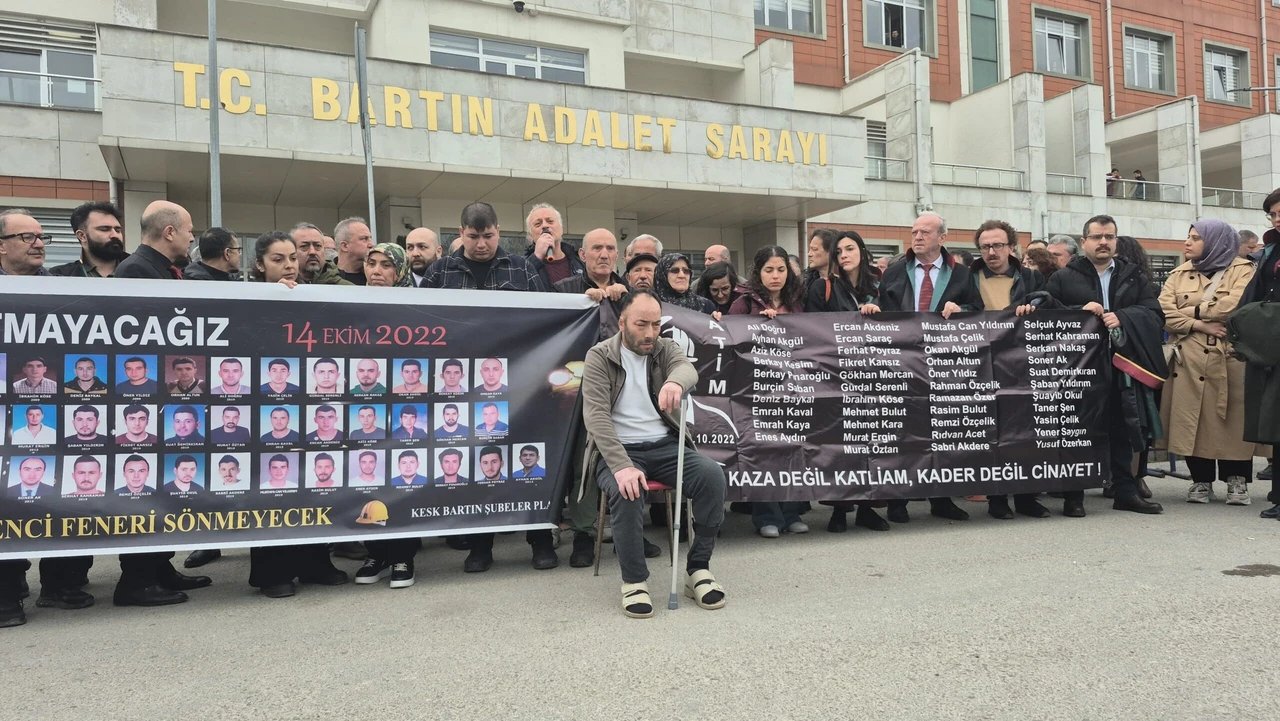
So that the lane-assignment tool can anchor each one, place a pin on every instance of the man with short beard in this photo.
(354, 243)
(313, 268)
(422, 245)
(632, 388)
(640, 271)
(99, 227)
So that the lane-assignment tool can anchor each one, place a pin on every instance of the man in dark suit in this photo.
(927, 280)
(30, 480)
(149, 579)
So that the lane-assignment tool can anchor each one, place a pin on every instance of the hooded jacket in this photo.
(328, 275)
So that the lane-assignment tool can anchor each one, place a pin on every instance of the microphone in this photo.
(551, 252)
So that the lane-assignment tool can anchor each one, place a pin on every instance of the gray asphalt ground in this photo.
(1115, 616)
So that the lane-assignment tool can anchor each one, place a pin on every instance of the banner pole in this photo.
(215, 105)
(362, 79)
(674, 601)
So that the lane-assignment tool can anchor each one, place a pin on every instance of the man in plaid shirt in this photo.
(482, 263)
(34, 380)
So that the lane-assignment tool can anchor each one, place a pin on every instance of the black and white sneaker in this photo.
(402, 575)
(373, 571)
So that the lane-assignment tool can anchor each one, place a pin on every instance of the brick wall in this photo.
(19, 187)
(818, 61)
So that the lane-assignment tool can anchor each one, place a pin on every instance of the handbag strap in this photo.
(1213, 285)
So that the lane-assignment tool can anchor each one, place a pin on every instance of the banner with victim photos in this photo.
(144, 415)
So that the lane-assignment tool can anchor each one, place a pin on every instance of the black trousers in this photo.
(484, 541)
(55, 574)
(140, 570)
(1123, 481)
(394, 550)
(278, 565)
(1202, 469)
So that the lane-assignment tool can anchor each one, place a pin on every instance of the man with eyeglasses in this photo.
(219, 257)
(1003, 282)
(99, 227)
(22, 243)
(1119, 293)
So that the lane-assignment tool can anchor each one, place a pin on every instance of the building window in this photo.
(1224, 70)
(1059, 45)
(877, 139)
(506, 58)
(48, 64)
(1146, 62)
(897, 24)
(794, 15)
(984, 45)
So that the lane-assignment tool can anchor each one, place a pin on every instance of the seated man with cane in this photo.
(632, 388)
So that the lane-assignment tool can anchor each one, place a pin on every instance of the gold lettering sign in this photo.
(332, 101)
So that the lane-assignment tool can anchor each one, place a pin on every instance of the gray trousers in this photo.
(704, 486)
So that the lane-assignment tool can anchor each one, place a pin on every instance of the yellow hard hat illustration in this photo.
(373, 512)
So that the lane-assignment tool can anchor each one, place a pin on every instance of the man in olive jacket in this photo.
(632, 385)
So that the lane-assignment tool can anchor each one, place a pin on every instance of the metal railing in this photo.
(1231, 198)
(1146, 190)
(1066, 184)
(887, 168)
(979, 176)
(49, 90)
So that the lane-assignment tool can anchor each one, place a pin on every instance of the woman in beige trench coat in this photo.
(1202, 407)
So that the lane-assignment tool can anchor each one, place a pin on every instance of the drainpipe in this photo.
(845, 39)
(1197, 196)
(1111, 63)
(1266, 61)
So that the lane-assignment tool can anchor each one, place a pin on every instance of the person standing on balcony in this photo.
(1113, 179)
(1139, 186)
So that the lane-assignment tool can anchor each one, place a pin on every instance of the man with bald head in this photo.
(166, 237)
(422, 246)
(355, 240)
(22, 244)
(715, 254)
(643, 244)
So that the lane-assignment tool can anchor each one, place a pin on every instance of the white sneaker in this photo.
(798, 527)
(769, 532)
(1198, 493)
(1237, 491)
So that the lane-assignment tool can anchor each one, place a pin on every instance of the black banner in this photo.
(142, 415)
(840, 406)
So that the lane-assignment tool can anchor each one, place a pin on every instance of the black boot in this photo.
(838, 522)
(202, 557)
(947, 508)
(867, 518)
(584, 550)
(1136, 503)
(544, 554)
(998, 507)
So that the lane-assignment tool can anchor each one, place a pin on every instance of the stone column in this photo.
(1027, 91)
(1177, 127)
(135, 196)
(1088, 125)
(770, 74)
(1260, 153)
(908, 128)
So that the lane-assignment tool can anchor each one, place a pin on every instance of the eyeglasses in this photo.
(1100, 237)
(29, 238)
(1272, 216)
(992, 247)
(234, 247)
(681, 271)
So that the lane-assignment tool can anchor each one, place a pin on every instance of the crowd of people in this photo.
(1216, 408)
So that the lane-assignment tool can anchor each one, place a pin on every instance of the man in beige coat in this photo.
(1202, 408)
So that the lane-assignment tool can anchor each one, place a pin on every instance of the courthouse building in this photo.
(741, 122)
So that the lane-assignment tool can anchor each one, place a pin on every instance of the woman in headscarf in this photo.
(387, 265)
(673, 282)
(1202, 408)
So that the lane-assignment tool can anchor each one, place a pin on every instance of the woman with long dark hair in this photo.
(719, 284)
(850, 284)
(272, 569)
(772, 289)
